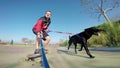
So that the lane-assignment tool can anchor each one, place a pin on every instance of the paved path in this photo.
(60, 57)
(104, 58)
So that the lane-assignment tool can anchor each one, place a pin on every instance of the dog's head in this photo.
(93, 31)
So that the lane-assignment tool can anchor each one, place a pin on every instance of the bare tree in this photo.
(31, 41)
(100, 7)
(25, 40)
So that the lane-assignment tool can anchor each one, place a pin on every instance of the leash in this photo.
(69, 33)
(44, 59)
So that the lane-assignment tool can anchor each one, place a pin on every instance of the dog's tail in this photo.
(69, 36)
(69, 42)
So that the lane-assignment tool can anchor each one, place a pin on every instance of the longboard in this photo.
(33, 56)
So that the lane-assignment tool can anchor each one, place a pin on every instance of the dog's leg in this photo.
(87, 51)
(75, 47)
(81, 48)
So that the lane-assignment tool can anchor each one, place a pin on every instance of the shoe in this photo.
(37, 51)
(32, 59)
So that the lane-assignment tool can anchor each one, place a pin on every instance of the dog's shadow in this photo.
(70, 53)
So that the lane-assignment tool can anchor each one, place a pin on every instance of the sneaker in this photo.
(32, 59)
(37, 51)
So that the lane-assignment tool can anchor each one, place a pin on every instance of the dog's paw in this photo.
(80, 50)
(92, 56)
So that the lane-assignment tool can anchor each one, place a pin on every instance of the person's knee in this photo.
(48, 38)
(37, 39)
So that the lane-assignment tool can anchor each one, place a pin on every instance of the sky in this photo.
(17, 17)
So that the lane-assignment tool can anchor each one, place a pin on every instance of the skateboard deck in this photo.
(33, 56)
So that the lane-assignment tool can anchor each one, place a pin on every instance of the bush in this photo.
(111, 34)
(64, 43)
(97, 41)
(4, 43)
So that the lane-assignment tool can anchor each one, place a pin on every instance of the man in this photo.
(40, 29)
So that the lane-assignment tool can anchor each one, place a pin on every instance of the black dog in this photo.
(81, 38)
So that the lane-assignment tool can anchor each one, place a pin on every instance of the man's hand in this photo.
(47, 30)
(40, 34)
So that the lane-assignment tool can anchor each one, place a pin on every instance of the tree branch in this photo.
(116, 4)
(101, 3)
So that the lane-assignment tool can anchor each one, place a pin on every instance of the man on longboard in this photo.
(40, 29)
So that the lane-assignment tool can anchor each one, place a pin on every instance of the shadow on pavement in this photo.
(70, 53)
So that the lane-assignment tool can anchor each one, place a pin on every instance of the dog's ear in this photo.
(87, 29)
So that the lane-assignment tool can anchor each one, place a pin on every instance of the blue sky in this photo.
(17, 17)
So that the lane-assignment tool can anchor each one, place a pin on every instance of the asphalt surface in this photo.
(59, 57)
